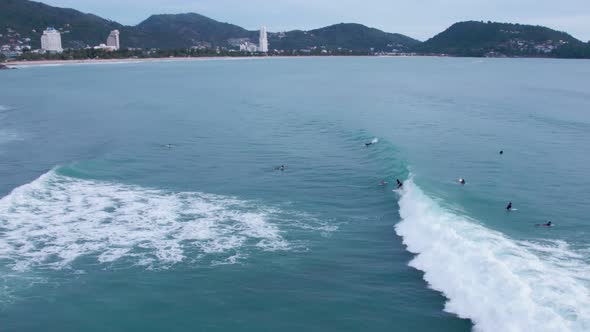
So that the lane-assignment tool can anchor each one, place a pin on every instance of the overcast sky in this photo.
(420, 19)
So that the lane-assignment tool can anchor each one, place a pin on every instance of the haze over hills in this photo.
(27, 19)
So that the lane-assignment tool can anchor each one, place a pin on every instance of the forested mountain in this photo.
(29, 19)
(344, 35)
(480, 38)
(22, 23)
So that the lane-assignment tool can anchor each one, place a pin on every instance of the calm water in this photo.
(105, 228)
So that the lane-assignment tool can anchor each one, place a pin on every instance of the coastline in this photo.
(17, 64)
(113, 61)
(22, 64)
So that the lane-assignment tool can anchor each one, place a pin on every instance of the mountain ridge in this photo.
(343, 35)
(22, 23)
(169, 31)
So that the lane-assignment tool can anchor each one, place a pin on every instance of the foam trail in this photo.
(56, 219)
(375, 141)
(498, 283)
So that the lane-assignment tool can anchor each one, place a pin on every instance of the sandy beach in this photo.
(112, 61)
(17, 64)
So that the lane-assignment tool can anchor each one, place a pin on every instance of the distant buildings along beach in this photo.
(262, 47)
(51, 43)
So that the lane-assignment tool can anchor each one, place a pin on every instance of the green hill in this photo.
(573, 51)
(22, 19)
(479, 38)
(29, 19)
(186, 30)
(344, 35)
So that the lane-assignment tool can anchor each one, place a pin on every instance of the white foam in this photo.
(235, 259)
(498, 283)
(375, 140)
(56, 219)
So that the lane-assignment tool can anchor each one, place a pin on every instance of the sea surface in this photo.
(144, 196)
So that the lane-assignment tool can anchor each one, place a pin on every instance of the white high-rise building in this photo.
(263, 42)
(113, 40)
(51, 41)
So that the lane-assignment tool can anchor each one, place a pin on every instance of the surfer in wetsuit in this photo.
(509, 207)
(399, 184)
(548, 224)
(280, 168)
(501, 151)
(368, 144)
(462, 181)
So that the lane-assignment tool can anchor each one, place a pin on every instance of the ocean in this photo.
(146, 196)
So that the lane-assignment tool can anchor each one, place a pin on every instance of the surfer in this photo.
(399, 184)
(501, 151)
(462, 181)
(548, 224)
(509, 207)
(280, 168)
(368, 144)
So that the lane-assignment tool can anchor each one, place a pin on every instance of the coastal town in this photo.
(51, 43)
(193, 35)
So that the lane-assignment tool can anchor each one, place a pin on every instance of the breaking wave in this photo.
(56, 219)
(498, 283)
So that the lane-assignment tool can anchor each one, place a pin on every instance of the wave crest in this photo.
(498, 283)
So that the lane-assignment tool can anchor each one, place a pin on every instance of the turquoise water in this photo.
(103, 227)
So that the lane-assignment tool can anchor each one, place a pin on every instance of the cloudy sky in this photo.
(420, 19)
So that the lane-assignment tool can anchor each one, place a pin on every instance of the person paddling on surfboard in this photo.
(462, 181)
(548, 224)
(509, 207)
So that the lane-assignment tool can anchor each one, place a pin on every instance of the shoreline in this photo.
(17, 64)
(107, 61)
(171, 59)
